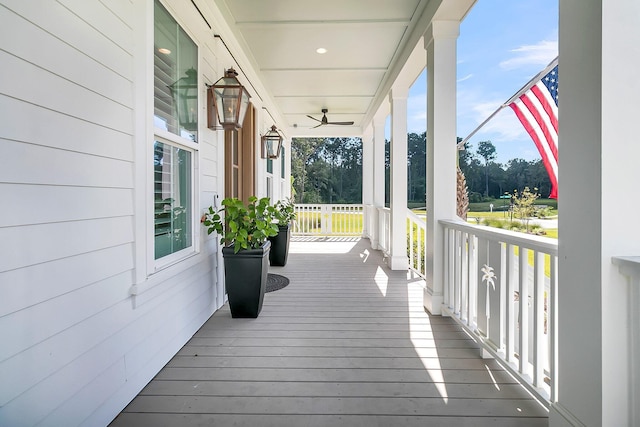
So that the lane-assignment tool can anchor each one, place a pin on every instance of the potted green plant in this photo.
(284, 214)
(244, 231)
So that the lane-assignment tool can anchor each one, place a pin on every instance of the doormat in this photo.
(275, 282)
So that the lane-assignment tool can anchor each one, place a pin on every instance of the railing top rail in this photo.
(412, 215)
(539, 243)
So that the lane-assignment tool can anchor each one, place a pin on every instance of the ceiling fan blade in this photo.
(340, 123)
(317, 120)
(317, 126)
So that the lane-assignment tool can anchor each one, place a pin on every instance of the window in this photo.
(172, 188)
(269, 166)
(175, 77)
(174, 147)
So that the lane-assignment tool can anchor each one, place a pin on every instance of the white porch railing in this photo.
(487, 273)
(323, 220)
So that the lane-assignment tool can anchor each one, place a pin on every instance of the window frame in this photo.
(193, 147)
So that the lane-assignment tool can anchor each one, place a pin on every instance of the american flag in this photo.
(537, 110)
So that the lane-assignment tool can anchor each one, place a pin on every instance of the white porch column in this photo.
(398, 198)
(367, 178)
(378, 176)
(598, 178)
(440, 43)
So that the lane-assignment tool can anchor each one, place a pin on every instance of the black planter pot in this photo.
(246, 279)
(280, 246)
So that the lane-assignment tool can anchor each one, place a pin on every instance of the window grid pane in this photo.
(172, 197)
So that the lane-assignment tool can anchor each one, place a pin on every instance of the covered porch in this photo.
(347, 342)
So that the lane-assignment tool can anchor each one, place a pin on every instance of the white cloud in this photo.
(539, 54)
(474, 108)
(467, 77)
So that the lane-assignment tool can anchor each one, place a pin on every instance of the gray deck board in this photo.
(347, 343)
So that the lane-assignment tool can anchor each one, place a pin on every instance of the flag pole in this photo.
(525, 88)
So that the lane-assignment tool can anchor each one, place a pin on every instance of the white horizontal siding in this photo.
(62, 59)
(77, 346)
(62, 312)
(104, 21)
(35, 164)
(122, 9)
(97, 344)
(30, 123)
(25, 81)
(36, 244)
(65, 25)
(25, 287)
(37, 204)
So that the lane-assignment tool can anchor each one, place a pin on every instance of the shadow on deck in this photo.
(347, 343)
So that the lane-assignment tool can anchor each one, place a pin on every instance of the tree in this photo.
(417, 167)
(303, 151)
(524, 204)
(487, 151)
(327, 170)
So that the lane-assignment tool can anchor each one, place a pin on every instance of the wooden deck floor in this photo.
(347, 343)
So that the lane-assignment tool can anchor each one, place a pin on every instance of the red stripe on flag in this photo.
(544, 100)
(529, 127)
(535, 112)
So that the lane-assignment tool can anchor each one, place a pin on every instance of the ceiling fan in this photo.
(324, 120)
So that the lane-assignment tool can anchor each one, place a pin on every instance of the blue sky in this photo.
(502, 45)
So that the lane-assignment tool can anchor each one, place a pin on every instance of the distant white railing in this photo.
(326, 220)
(496, 287)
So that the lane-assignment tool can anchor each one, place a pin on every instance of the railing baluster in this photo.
(552, 316)
(523, 335)
(451, 256)
(504, 267)
(447, 263)
(538, 318)
(473, 281)
(464, 278)
(510, 306)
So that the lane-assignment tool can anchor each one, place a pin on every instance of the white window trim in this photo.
(154, 265)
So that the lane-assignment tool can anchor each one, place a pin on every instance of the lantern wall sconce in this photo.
(271, 143)
(227, 102)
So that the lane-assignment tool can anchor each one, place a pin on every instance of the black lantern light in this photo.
(185, 100)
(271, 143)
(230, 100)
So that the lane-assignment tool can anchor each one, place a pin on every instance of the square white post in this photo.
(598, 184)
(367, 179)
(378, 176)
(398, 199)
(440, 43)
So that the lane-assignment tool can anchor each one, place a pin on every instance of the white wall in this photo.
(74, 132)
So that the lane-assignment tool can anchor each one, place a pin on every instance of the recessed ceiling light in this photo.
(321, 50)
(164, 50)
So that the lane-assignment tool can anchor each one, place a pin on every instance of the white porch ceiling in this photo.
(366, 41)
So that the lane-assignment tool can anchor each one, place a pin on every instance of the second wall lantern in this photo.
(271, 143)
(229, 99)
